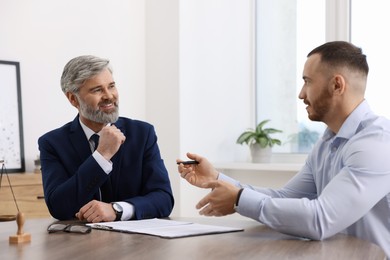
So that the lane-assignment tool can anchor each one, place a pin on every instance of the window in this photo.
(286, 30)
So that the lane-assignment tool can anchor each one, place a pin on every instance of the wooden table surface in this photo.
(255, 242)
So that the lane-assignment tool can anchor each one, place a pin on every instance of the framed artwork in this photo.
(11, 128)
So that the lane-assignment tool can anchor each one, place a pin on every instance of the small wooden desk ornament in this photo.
(20, 236)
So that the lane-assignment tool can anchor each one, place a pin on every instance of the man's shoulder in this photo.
(128, 122)
(376, 123)
(373, 133)
(57, 132)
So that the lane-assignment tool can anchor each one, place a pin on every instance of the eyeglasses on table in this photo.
(70, 228)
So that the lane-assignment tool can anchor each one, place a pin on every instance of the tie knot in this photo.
(94, 141)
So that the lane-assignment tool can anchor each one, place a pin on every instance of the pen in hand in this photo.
(188, 162)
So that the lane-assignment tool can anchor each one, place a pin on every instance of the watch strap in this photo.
(117, 213)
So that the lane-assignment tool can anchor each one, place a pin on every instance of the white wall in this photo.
(183, 65)
(216, 83)
(162, 83)
(216, 80)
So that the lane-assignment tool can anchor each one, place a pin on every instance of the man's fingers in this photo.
(194, 156)
(203, 202)
(207, 211)
(184, 172)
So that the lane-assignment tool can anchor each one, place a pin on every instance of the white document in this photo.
(163, 228)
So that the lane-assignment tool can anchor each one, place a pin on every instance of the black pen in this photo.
(188, 162)
(104, 227)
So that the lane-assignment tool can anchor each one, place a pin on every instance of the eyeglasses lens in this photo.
(69, 228)
(78, 229)
(56, 228)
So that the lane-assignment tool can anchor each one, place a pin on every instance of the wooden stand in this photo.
(20, 236)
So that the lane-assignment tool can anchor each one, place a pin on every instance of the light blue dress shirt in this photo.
(344, 186)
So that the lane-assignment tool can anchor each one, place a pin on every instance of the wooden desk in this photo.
(256, 242)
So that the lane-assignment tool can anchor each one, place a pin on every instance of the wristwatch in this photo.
(118, 210)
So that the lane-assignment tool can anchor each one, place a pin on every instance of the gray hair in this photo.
(80, 69)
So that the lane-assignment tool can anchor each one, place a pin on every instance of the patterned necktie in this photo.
(106, 190)
(95, 141)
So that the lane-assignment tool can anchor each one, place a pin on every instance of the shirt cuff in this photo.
(104, 164)
(128, 210)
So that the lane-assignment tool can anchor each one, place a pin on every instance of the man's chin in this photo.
(105, 118)
(111, 118)
(314, 118)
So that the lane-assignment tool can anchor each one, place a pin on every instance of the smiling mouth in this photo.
(107, 107)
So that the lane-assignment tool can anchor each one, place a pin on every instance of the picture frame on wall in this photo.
(11, 121)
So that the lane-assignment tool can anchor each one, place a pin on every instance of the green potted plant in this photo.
(260, 141)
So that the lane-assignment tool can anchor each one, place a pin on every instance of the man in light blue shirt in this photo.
(344, 186)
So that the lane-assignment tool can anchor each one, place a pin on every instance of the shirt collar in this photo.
(351, 124)
(87, 131)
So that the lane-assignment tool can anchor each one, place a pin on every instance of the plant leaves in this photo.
(260, 135)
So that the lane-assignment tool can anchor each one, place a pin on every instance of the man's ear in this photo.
(338, 85)
(72, 99)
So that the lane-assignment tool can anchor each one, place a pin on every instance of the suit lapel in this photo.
(79, 140)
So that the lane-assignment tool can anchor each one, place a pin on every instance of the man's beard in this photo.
(320, 106)
(97, 115)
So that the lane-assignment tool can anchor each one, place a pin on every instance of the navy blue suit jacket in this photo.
(72, 177)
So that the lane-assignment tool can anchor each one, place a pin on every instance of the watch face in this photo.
(117, 207)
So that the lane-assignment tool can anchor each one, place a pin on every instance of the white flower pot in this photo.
(260, 154)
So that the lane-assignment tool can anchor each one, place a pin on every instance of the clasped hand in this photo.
(111, 138)
(222, 198)
(96, 211)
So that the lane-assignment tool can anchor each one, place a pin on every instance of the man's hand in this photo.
(96, 211)
(197, 174)
(111, 138)
(220, 201)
